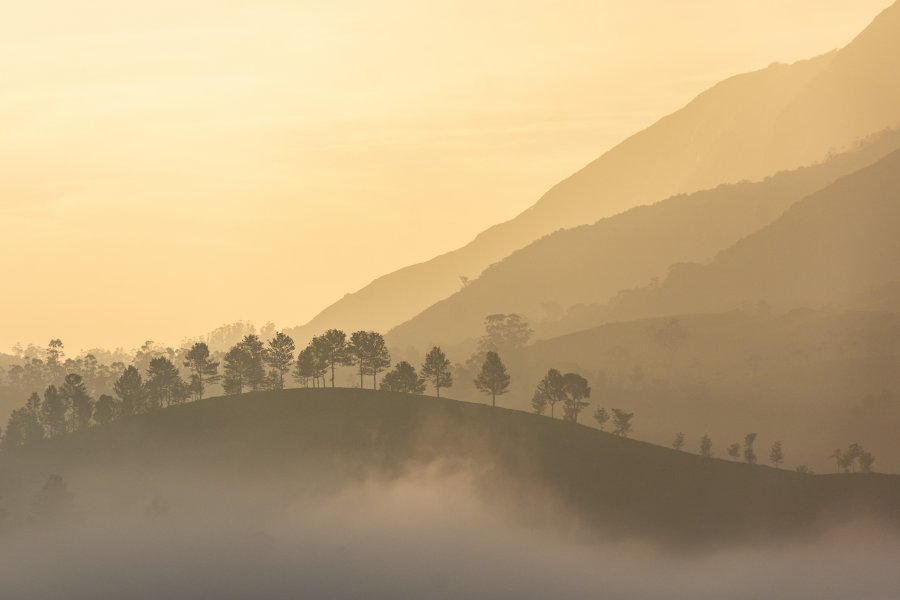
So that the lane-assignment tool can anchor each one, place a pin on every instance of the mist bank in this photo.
(430, 534)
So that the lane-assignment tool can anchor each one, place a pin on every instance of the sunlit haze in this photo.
(171, 166)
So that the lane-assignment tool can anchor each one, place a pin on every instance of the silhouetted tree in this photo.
(866, 460)
(734, 451)
(678, 442)
(76, 396)
(332, 347)
(203, 369)
(24, 426)
(843, 464)
(602, 417)
(749, 453)
(854, 451)
(493, 378)
(358, 352)
(106, 409)
(622, 422)
(53, 412)
(403, 379)
(776, 455)
(436, 370)
(254, 374)
(706, 446)
(575, 390)
(164, 384)
(129, 387)
(550, 390)
(237, 363)
(378, 358)
(309, 365)
(804, 470)
(279, 356)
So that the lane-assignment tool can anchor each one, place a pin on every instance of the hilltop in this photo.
(322, 439)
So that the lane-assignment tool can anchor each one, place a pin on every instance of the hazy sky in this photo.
(166, 167)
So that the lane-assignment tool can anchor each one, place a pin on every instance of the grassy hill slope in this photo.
(521, 462)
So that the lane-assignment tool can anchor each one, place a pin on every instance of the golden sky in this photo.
(169, 166)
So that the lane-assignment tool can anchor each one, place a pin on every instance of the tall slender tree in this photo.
(279, 356)
(358, 351)
(493, 378)
(706, 446)
(203, 369)
(75, 394)
(776, 455)
(379, 358)
(53, 412)
(550, 390)
(332, 347)
(436, 370)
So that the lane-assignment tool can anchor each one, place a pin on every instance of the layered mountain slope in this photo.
(591, 263)
(744, 128)
(833, 247)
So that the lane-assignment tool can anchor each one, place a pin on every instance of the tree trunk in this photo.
(332, 374)
(438, 388)
(493, 399)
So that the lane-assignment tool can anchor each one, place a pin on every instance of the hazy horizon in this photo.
(158, 159)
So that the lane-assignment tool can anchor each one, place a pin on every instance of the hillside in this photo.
(746, 127)
(813, 379)
(322, 439)
(829, 249)
(589, 264)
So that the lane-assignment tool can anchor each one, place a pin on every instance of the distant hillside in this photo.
(813, 379)
(589, 264)
(829, 249)
(319, 438)
(746, 127)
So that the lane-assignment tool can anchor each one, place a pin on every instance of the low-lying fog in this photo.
(429, 536)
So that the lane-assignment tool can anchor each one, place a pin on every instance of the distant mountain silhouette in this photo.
(828, 250)
(746, 127)
(591, 263)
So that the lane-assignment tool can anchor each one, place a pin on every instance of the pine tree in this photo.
(436, 370)
(776, 455)
(132, 393)
(75, 394)
(279, 356)
(493, 378)
(203, 369)
(164, 384)
(53, 412)
(706, 446)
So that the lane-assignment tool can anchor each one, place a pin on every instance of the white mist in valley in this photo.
(430, 535)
